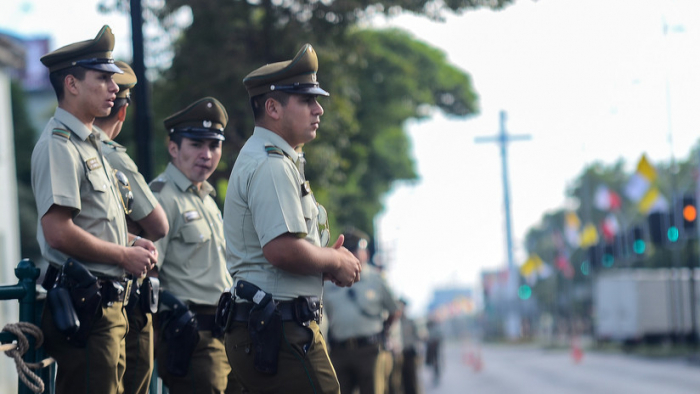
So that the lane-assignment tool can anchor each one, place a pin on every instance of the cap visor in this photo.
(315, 90)
(203, 136)
(106, 67)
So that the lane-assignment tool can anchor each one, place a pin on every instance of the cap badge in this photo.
(206, 123)
(313, 77)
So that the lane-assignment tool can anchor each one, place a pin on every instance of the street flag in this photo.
(606, 199)
(610, 227)
(563, 264)
(642, 190)
(589, 236)
(572, 225)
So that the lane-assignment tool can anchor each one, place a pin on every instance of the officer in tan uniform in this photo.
(359, 318)
(192, 262)
(146, 218)
(81, 217)
(276, 235)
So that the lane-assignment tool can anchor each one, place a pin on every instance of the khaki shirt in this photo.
(360, 310)
(68, 169)
(191, 258)
(144, 201)
(265, 200)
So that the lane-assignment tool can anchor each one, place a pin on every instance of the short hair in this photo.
(258, 102)
(58, 77)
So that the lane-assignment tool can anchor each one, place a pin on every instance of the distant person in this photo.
(147, 219)
(411, 360)
(276, 238)
(192, 263)
(433, 354)
(81, 217)
(359, 318)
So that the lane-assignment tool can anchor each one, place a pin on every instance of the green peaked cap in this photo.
(292, 76)
(206, 118)
(95, 54)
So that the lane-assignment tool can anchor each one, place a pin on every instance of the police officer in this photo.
(81, 216)
(146, 218)
(359, 319)
(192, 262)
(275, 237)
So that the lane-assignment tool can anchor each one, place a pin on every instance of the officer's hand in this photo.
(138, 260)
(348, 271)
(148, 245)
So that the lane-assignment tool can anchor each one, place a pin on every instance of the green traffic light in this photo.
(672, 234)
(524, 292)
(639, 246)
(608, 260)
(585, 268)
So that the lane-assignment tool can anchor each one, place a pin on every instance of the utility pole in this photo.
(142, 112)
(503, 138)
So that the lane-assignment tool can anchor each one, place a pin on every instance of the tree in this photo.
(377, 80)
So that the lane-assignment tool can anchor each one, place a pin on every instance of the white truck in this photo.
(637, 304)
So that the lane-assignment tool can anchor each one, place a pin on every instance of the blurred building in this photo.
(12, 59)
(455, 310)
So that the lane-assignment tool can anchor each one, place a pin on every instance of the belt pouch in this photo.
(306, 309)
(62, 310)
(224, 311)
(265, 329)
(149, 295)
(134, 298)
(182, 336)
(87, 302)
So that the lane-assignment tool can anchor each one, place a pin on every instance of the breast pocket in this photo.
(195, 232)
(98, 180)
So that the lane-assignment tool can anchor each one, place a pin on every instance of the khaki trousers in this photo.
(97, 368)
(139, 352)
(303, 364)
(359, 368)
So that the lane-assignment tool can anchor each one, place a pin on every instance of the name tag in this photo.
(191, 215)
(93, 163)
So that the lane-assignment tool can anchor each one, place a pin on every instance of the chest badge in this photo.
(191, 216)
(92, 163)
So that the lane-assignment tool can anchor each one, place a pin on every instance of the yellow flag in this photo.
(531, 265)
(572, 220)
(649, 199)
(589, 236)
(645, 169)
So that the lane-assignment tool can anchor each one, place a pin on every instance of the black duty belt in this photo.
(242, 311)
(357, 342)
(113, 289)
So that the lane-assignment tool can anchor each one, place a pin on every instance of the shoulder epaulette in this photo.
(61, 133)
(273, 150)
(157, 185)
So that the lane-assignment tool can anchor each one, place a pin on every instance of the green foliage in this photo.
(377, 81)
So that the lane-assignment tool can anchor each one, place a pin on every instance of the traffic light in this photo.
(608, 258)
(658, 227)
(689, 212)
(638, 243)
(594, 256)
(524, 292)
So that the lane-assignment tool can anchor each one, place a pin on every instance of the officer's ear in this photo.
(70, 83)
(122, 113)
(273, 108)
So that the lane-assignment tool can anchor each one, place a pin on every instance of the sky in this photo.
(587, 81)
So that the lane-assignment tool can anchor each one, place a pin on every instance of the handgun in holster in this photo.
(84, 290)
(264, 326)
(180, 331)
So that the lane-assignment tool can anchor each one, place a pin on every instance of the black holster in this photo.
(264, 327)
(86, 300)
(181, 333)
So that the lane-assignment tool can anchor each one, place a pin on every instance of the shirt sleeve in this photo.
(275, 200)
(57, 171)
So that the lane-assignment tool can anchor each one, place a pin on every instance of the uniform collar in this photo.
(70, 121)
(276, 140)
(184, 184)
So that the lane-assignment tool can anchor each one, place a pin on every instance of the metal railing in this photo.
(29, 311)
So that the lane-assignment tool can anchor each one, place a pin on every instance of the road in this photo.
(525, 369)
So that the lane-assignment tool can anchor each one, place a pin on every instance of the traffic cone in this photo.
(576, 351)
